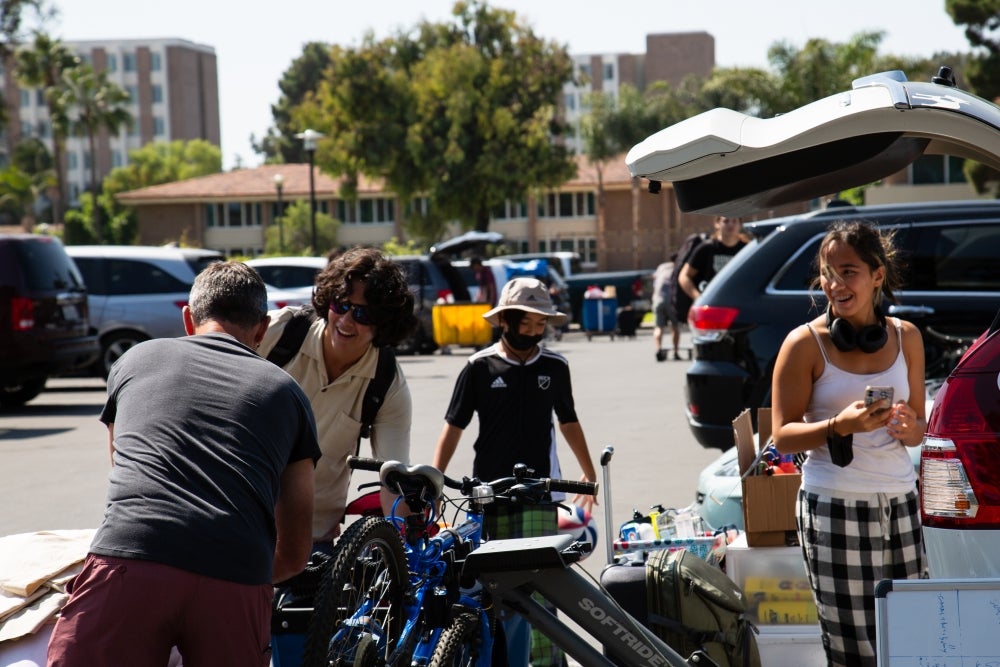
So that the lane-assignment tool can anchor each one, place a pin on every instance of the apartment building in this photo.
(174, 89)
(669, 57)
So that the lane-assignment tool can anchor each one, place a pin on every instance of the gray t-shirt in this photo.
(203, 429)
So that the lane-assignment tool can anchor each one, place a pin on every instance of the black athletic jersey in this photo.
(515, 403)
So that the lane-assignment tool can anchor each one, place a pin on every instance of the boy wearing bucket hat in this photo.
(514, 386)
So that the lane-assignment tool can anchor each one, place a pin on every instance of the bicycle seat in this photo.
(398, 476)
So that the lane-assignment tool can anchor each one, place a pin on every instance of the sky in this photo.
(256, 41)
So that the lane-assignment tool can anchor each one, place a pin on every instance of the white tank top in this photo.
(881, 463)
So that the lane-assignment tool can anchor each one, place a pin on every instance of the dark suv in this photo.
(952, 288)
(43, 316)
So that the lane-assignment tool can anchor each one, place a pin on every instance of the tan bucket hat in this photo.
(529, 294)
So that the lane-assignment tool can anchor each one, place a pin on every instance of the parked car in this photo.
(959, 482)
(43, 316)
(294, 274)
(504, 269)
(431, 277)
(726, 163)
(136, 293)
(723, 163)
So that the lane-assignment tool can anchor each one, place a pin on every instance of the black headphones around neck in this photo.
(845, 337)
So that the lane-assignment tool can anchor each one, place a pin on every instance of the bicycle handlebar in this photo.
(503, 484)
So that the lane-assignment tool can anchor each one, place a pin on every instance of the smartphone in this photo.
(874, 394)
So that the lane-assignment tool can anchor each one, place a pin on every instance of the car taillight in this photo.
(22, 314)
(959, 477)
(711, 322)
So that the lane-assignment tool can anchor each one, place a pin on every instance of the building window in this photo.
(72, 160)
(585, 71)
(112, 62)
(937, 169)
(155, 62)
(25, 98)
(74, 191)
(40, 97)
(133, 128)
(157, 93)
(569, 101)
(26, 129)
(128, 62)
(43, 129)
(133, 93)
(235, 214)
(116, 158)
(609, 71)
(158, 126)
(86, 159)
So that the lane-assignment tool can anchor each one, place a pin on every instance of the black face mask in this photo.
(521, 342)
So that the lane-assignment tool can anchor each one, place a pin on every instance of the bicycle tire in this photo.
(369, 560)
(458, 645)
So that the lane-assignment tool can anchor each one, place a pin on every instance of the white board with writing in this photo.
(938, 623)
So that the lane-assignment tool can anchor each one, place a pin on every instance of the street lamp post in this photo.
(309, 140)
(279, 184)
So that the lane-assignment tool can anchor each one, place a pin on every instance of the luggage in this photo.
(627, 322)
(694, 605)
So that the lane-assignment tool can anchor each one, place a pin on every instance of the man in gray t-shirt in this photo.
(210, 492)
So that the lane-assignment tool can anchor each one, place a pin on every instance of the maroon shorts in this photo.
(131, 612)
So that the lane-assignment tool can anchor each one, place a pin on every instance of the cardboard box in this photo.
(768, 500)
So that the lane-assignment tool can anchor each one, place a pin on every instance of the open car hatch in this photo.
(727, 163)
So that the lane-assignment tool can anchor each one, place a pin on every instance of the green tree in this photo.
(301, 79)
(42, 66)
(296, 230)
(93, 103)
(463, 113)
(981, 19)
(153, 164)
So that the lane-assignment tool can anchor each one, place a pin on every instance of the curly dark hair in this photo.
(386, 291)
(874, 247)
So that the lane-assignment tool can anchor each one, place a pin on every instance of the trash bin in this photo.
(599, 317)
(461, 324)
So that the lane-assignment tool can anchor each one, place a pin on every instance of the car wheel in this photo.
(15, 395)
(114, 346)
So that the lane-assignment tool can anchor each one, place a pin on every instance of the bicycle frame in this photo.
(514, 569)
(428, 570)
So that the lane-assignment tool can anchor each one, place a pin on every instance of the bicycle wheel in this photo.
(358, 615)
(459, 643)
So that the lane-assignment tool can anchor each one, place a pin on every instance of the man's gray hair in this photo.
(228, 292)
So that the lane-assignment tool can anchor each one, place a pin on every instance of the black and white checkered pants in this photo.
(850, 544)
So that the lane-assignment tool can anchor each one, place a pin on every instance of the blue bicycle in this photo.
(393, 587)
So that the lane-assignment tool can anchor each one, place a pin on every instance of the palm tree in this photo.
(93, 103)
(42, 66)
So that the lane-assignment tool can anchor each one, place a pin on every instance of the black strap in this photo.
(385, 373)
(293, 336)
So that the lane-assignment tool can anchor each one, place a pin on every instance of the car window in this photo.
(951, 258)
(199, 262)
(46, 266)
(126, 276)
(798, 273)
(288, 276)
(94, 274)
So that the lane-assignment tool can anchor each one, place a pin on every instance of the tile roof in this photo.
(258, 183)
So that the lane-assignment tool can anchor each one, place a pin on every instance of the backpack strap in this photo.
(378, 387)
(293, 336)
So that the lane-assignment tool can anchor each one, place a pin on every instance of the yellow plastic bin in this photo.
(461, 324)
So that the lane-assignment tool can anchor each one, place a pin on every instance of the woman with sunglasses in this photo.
(364, 304)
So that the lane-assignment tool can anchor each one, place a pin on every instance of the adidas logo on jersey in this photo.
(498, 383)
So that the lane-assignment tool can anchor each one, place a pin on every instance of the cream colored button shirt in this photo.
(337, 406)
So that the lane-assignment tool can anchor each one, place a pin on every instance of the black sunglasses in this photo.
(360, 314)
